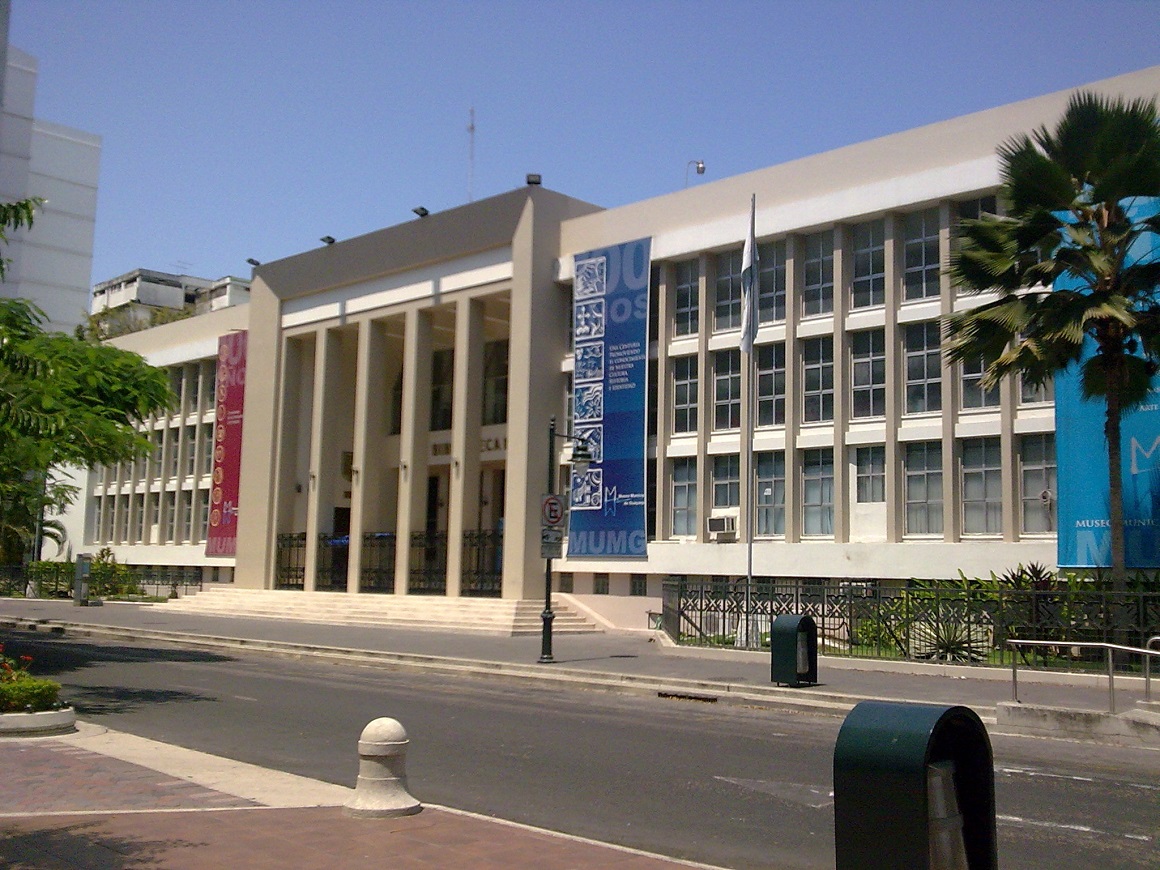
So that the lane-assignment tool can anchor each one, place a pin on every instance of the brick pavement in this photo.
(67, 806)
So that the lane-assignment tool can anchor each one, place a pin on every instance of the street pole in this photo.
(547, 616)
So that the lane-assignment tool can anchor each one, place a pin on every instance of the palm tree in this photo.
(1064, 267)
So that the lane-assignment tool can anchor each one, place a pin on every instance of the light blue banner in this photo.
(1085, 537)
(610, 392)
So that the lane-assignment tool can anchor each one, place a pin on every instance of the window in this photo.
(686, 313)
(973, 209)
(1037, 483)
(974, 396)
(175, 382)
(869, 373)
(495, 382)
(190, 450)
(155, 515)
(771, 274)
(395, 424)
(186, 515)
(174, 451)
(138, 519)
(923, 361)
(727, 308)
(566, 581)
(771, 384)
(120, 518)
(871, 474)
(727, 389)
(818, 374)
(920, 246)
(599, 584)
(685, 394)
(924, 488)
(203, 513)
(982, 486)
(1030, 394)
(638, 584)
(170, 516)
(194, 387)
(442, 388)
(818, 492)
(869, 264)
(207, 448)
(770, 492)
(726, 481)
(211, 385)
(105, 533)
(685, 496)
(818, 267)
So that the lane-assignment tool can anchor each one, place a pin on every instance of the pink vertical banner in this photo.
(222, 538)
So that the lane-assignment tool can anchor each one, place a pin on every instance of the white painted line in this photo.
(1081, 829)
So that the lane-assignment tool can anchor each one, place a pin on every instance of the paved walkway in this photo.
(99, 799)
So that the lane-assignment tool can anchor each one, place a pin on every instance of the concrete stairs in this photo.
(496, 616)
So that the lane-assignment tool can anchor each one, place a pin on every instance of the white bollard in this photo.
(381, 790)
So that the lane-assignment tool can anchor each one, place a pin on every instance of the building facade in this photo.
(399, 387)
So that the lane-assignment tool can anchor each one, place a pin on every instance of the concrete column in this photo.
(369, 417)
(467, 414)
(952, 482)
(794, 279)
(664, 410)
(705, 391)
(843, 281)
(413, 440)
(895, 381)
(323, 460)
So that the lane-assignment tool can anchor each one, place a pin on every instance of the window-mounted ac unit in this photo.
(721, 527)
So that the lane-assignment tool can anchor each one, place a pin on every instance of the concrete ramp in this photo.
(496, 616)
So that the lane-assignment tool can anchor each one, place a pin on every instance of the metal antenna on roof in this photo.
(470, 153)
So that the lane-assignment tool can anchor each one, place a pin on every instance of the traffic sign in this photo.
(552, 511)
(551, 536)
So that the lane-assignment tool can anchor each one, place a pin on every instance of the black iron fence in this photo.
(927, 621)
(377, 571)
(428, 564)
(290, 561)
(482, 564)
(333, 559)
(107, 579)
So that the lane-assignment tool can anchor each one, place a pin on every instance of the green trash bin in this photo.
(793, 649)
(914, 789)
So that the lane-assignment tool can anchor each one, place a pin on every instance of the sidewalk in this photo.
(103, 799)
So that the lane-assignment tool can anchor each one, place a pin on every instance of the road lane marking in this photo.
(1081, 829)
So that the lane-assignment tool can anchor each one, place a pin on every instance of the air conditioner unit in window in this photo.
(722, 527)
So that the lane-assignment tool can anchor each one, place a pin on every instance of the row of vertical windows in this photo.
(920, 272)
(922, 354)
(156, 517)
(981, 475)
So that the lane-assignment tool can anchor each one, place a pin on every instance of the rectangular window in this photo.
(771, 384)
(186, 515)
(923, 363)
(818, 492)
(1031, 394)
(211, 385)
(190, 448)
(920, 246)
(770, 492)
(727, 389)
(726, 481)
(155, 515)
(207, 448)
(1037, 483)
(173, 449)
(121, 519)
(395, 424)
(818, 379)
(203, 513)
(442, 388)
(686, 310)
(869, 264)
(973, 209)
(982, 486)
(871, 467)
(176, 379)
(638, 585)
(138, 519)
(685, 393)
(107, 507)
(868, 381)
(685, 496)
(171, 516)
(771, 274)
(495, 382)
(599, 584)
(194, 377)
(974, 396)
(727, 307)
(924, 488)
(566, 581)
(818, 268)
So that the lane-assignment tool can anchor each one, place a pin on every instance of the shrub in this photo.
(20, 692)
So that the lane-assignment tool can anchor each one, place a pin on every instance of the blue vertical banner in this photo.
(609, 396)
(1085, 535)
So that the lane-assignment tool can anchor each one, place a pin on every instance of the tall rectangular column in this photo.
(413, 439)
(466, 417)
(323, 462)
(369, 417)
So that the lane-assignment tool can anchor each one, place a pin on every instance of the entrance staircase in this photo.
(496, 616)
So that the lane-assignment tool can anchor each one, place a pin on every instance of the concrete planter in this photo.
(49, 722)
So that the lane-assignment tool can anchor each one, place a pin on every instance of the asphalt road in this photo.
(729, 786)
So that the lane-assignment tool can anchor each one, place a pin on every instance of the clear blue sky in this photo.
(250, 128)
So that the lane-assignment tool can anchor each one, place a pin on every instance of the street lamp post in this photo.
(580, 461)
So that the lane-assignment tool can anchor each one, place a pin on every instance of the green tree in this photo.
(1075, 213)
(63, 401)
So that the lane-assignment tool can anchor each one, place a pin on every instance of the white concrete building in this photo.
(399, 387)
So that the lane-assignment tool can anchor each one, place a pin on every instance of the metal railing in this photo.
(1109, 648)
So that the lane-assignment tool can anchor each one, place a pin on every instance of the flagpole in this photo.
(750, 290)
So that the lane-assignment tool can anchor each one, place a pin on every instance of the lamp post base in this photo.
(546, 638)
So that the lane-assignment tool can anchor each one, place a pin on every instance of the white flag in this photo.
(750, 284)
